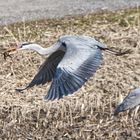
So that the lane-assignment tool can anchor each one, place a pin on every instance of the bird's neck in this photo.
(40, 50)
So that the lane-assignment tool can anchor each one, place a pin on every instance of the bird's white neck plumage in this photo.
(39, 49)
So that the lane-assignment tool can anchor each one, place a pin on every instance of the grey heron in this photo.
(71, 62)
(130, 101)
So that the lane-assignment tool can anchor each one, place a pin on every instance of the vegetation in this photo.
(87, 114)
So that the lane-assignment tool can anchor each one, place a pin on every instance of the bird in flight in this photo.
(71, 61)
(130, 101)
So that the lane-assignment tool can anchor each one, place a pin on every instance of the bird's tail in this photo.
(116, 52)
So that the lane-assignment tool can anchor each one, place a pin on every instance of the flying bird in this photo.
(71, 61)
(130, 101)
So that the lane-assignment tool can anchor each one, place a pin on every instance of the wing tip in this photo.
(120, 108)
(53, 94)
(47, 98)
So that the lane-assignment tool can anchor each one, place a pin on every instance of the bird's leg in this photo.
(116, 52)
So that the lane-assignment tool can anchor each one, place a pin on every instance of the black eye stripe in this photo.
(26, 43)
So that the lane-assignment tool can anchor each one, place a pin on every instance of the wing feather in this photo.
(47, 69)
(77, 66)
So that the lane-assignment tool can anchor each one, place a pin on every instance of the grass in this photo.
(87, 114)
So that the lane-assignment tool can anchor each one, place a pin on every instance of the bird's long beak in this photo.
(9, 51)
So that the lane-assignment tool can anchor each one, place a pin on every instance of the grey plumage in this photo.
(72, 61)
(72, 73)
(129, 102)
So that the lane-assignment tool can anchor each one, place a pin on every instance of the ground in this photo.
(88, 113)
(12, 11)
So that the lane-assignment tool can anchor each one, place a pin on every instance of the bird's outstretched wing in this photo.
(47, 70)
(79, 63)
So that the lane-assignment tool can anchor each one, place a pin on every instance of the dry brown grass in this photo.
(87, 114)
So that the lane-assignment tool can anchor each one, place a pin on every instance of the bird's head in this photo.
(24, 45)
(16, 47)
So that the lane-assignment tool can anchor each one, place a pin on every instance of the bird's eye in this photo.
(21, 46)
